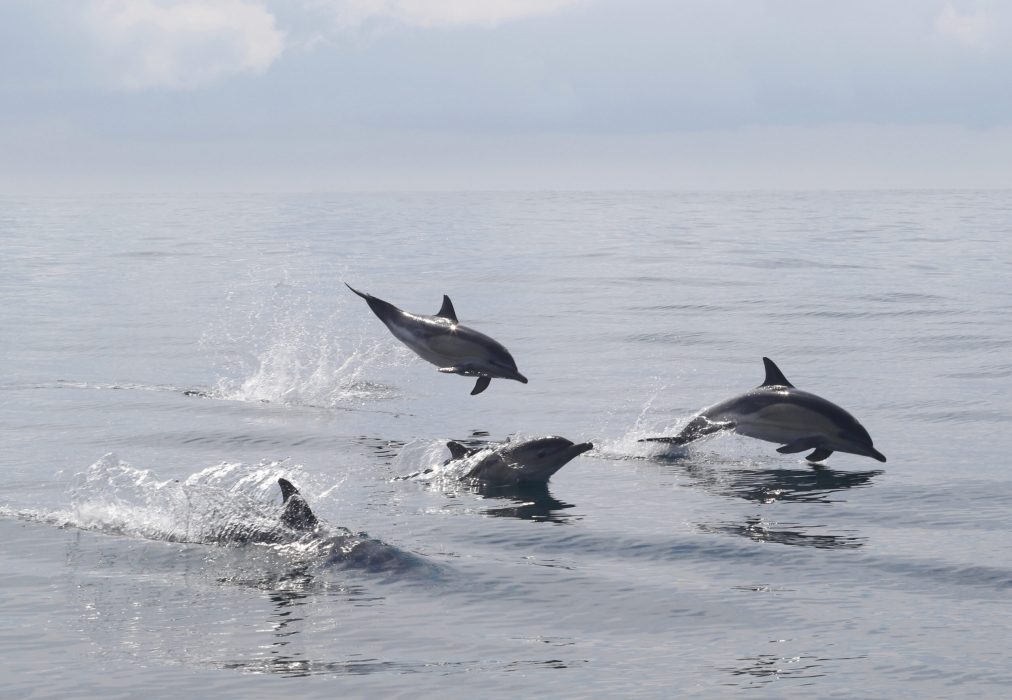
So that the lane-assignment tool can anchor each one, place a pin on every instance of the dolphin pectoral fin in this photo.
(446, 310)
(774, 377)
(481, 385)
(801, 444)
(819, 454)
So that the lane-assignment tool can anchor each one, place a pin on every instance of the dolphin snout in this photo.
(872, 452)
(581, 448)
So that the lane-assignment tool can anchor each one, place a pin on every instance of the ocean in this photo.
(167, 358)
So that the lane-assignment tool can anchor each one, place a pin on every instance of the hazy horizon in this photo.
(514, 95)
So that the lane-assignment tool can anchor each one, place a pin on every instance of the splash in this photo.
(628, 446)
(228, 502)
(292, 347)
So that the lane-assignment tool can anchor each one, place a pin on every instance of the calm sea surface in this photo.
(165, 360)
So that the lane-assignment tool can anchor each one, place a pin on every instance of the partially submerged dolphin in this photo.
(776, 411)
(340, 545)
(443, 341)
(523, 462)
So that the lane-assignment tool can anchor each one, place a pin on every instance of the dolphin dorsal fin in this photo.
(287, 489)
(458, 451)
(774, 377)
(446, 310)
(297, 513)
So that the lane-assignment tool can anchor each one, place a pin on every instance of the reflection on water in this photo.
(767, 668)
(530, 501)
(296, 667)
(759, 530)
(816, 484)
(386, 450)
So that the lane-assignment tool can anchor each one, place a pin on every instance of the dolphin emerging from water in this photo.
(776, 411)
(523, 462)
(443, 341)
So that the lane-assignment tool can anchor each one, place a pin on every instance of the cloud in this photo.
(971, 29)
(182, 44)
(437, 13)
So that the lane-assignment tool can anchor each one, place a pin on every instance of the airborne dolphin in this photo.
(523, 462)
(776, 411)
(441, 340)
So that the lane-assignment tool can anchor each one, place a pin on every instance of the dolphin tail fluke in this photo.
(698, 427)
(677, 440)
(297, 513)
(365, 296)
(819, 454)
(481, 385)
(383, 309)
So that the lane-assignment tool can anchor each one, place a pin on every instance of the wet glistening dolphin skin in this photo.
(443, 341)
(521, 462)
(776, 411)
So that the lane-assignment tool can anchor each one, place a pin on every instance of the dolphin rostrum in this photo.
(776, 411)
(523, 462)
(449, 345)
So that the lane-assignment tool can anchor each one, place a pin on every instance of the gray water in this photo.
(165, 360)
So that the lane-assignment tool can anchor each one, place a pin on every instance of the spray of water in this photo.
(291, 346)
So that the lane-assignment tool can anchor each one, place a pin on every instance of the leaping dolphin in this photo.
(524, 462)
(776, 411)
(443, 341)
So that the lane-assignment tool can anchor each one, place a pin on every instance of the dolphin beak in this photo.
(581, 448)
(519, 377)
(872, 452)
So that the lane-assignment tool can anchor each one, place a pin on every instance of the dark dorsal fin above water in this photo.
(446, 310)
(297, 513)
(458, 451)
(774, 377)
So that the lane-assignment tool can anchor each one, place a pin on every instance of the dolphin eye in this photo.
(541, 454)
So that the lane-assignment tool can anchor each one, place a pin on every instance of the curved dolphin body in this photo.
(443, 341)
(526, 462)
(776, 411)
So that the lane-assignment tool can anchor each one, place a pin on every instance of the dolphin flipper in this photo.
(297, 513)
(819, 454)
(801, 444)
(481, 385)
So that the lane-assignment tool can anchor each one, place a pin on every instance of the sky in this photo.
(347, 95)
